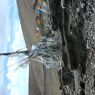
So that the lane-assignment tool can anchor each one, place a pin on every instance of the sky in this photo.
(11, 39)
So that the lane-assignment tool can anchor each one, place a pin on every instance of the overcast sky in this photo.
(11, 82)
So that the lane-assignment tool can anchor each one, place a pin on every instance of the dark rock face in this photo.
(71, 25)
(74, 35)
(80, 14)
(79, 27)
(55, 14)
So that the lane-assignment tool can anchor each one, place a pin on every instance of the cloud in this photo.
(3, 36)
(19, 82)
(10, 26)
(10, 30)
(13, 17)
(19, 40)
(18, 78)
(3, 22)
